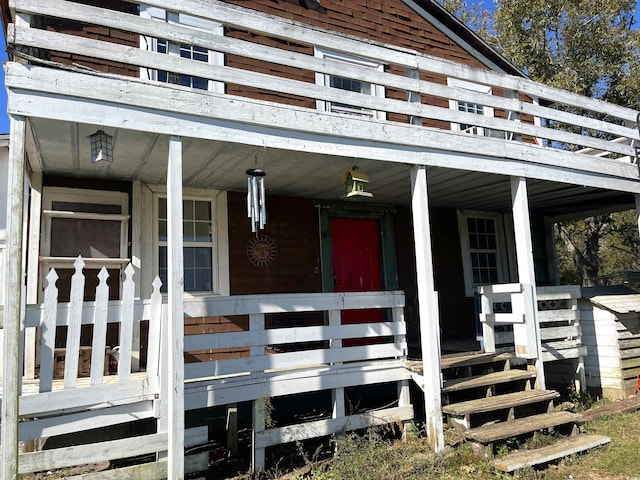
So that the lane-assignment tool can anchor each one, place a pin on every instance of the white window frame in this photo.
(454, 104)
(150, 43)
(502, 259)
(81, 195)
(219, 235)
(324, 80)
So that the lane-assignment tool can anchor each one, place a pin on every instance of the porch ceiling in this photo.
(62, 148)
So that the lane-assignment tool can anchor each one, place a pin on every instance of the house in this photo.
(141, 126)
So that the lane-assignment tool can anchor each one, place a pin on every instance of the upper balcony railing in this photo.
(246, 53)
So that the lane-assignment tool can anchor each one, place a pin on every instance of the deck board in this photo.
(32, 386)
(549, 453)
(500, 402)
(499, 431)
(458, 384)
(469, 359)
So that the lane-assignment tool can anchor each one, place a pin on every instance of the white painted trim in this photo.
(474, 87)
(529, 333)
(465, 249)
(343, 58)
(13, 300)
(150, 43)
(428, 307)
(175, 337)
(81, 195)
(393, 142)
(456, 38)
(220, 235)
(243, 18)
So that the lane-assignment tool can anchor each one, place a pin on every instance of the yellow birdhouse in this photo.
(355, 183)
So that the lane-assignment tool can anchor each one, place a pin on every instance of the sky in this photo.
(4, 120)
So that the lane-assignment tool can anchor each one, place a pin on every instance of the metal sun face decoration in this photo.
(256, 199)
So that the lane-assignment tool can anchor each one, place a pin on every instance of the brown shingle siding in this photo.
(97, 33)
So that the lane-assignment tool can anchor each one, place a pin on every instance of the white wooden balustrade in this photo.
(315, 359)
(527, 115)
(75, 397)
(558, 318)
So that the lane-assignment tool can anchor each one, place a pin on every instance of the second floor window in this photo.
(186, 51)
(470, 107)
(349, 84)
(190, 52)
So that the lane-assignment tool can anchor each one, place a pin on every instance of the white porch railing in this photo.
(526, 114)
(558, 319)
(74, 392)
(288, 361)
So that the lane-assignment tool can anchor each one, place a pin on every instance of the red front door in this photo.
(356, 265)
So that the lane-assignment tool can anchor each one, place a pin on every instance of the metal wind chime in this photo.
(256, 199)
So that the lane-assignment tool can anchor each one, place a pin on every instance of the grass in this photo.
(373, 457)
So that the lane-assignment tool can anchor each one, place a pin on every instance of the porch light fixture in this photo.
(355, 183)
(101, 149)
(256, 199)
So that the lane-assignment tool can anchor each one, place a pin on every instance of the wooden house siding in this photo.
(612, 340)
(390, 21)
(293, 226)
(99, 33)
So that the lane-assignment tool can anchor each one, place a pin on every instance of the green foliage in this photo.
(582, 401)
(371, 456)
(597, 247)
(586, 46)
(264, 411)
(590, 47)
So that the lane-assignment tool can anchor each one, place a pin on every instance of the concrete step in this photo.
(549, 453)
(459, 384)
(500, 431)
(500, 402)
(456, 360)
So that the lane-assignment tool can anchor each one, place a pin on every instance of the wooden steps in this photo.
(501, 431)
(549, 453)
(458, 384)
(491, 399)
(500, 402)
(456, 360)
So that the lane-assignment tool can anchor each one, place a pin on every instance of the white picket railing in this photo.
(82, 394)
(74, 391)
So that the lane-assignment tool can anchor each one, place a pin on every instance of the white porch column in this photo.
(526, 335)
(175, 337)
(13, 301)
(31, 259)
(428, 307)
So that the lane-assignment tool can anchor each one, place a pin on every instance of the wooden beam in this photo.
(265, 123)
(175, 337)
(428, 307)
(243, 18)
(33, 285)
(13, 300)
(174, 63)
(527, 335)
(637, 198)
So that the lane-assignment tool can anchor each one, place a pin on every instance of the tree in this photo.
(589, 47)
